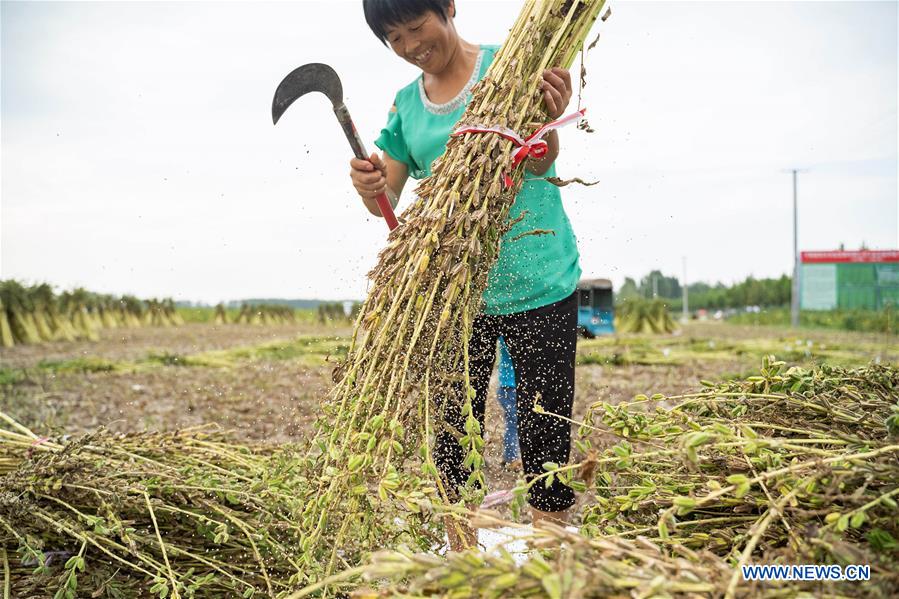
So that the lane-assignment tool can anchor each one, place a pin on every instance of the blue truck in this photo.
(596, 308)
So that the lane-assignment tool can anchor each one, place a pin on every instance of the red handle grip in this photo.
(387, 211)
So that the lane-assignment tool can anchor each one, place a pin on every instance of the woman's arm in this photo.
(556, 95)
(539, 167)
(375, 176)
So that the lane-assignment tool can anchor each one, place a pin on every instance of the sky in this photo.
(138, 155)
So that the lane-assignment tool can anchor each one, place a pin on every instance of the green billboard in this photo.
(865, 279)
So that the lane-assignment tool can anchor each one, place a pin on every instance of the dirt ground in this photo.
(119, 381)
(262, 400)
(126, 344)
(265, 383)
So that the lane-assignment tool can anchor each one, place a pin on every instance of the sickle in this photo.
(318, 77)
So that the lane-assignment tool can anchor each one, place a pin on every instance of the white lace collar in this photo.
(460, 99)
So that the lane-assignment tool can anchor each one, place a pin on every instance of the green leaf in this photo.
(470, 459)
(881, 540)
(621, 450)
(857, 519)
(355, 463)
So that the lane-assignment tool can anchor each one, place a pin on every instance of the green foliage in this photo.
(309, 348)
(668, 287)
(204, 314)
(11, 376)
(871, 321)
(749, 292)
(80, 365)
(166, 358)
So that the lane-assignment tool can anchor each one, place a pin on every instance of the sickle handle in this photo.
(349, 129)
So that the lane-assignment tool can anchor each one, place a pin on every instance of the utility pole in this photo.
(794, 304)
(686, 311)
(655, 287)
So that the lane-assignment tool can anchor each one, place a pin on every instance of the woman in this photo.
(530, 299)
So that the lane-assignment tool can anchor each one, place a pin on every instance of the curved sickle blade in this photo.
(312, 77)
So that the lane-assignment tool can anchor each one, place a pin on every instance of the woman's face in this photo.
(426, 41)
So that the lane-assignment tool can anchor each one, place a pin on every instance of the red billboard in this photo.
(834, 256)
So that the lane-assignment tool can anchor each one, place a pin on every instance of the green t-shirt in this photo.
(530, 272)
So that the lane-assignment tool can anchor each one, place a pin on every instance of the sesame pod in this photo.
(423, 262)
(453, 579)
(505, 581)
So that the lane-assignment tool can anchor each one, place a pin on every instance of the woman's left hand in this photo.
(556, 86)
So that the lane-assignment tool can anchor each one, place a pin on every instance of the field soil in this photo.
(265, 383)
(129, 344)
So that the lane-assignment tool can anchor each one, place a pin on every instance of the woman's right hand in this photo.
(369, 176)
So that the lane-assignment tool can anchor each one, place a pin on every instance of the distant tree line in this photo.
(749, 292)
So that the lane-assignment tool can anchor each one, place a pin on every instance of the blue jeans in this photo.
(506, 398)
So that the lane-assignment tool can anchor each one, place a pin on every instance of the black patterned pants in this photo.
(542, 345)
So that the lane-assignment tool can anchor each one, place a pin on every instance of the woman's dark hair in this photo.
(381, 14)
